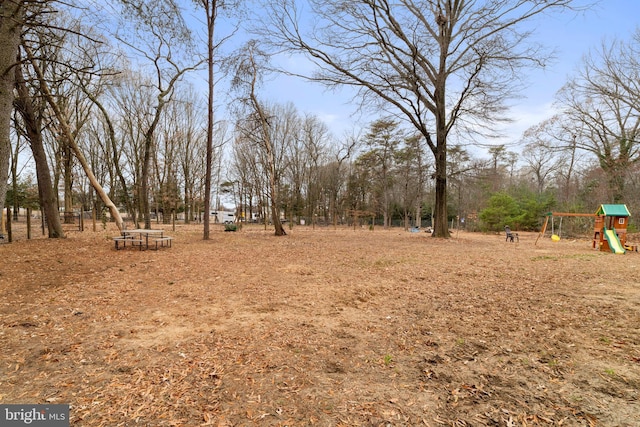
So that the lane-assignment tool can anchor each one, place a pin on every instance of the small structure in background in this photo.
(224, 217)
(610, 230)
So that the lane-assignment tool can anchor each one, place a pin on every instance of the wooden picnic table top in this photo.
(143, 231)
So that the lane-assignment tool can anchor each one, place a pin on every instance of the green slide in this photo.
(614, 242)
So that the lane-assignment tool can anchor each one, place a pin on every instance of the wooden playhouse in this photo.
(610, 230)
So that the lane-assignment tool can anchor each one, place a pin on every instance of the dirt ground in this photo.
(323, 327)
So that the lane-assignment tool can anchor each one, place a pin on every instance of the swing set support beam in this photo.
(570, 214)
(552, 214)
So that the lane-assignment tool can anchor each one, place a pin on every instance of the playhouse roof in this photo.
(613, 210)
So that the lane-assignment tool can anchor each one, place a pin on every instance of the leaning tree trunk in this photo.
(66, 131)
(33, 128)
(115, 152)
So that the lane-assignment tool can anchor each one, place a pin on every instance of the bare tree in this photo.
(409, 172)
(603, 102)
(67, 133)
(333, 172)
(35, 18)
(101, 87)
(65, 66)
(247, 171)
(16, 167)
(541, 154)
(257, 123)
(32, 118)
(382, 140)
(306, 156)
(442, 65)
(191, 151)
(211, 12)
(163, 41)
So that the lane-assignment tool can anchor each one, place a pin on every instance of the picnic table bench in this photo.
(140, 238)
(123, 240)
(163, 241)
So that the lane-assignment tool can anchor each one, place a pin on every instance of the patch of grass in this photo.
(610, 372)
(605, 340)
(545, 258)
(384, 263)
(587, 256)
(387, 359)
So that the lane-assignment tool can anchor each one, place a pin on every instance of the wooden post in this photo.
(28, 223)
(9, 234)
(173, 215)
(81, 218)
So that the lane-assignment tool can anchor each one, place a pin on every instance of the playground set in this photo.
(609, 231)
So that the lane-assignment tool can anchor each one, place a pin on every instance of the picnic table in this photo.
(140, 238)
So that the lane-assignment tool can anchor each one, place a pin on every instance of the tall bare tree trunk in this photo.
(440, 223)
(211, 9)
(33, 127)
(144, 177)
(68, 184)
(275, 211)
(268, 145)
(11, 21)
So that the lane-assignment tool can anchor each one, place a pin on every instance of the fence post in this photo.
(28, 223)
(9, 235)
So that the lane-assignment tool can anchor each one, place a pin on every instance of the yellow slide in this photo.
(614, 242)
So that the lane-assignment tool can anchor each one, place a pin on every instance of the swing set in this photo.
(610, 228)
(553, 215)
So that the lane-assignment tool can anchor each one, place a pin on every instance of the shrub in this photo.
(520, 214)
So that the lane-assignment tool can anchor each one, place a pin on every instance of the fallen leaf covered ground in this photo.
(326, 327)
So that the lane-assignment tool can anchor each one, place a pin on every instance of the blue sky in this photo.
(570, 35)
